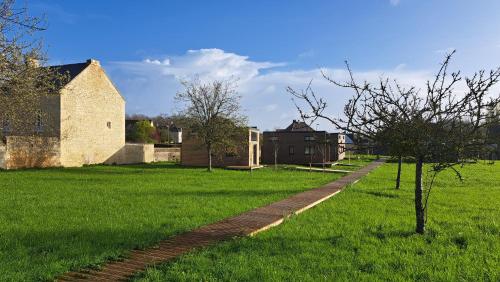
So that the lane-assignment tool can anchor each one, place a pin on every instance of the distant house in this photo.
(170, 133)
(349, 142)
(175, 134)
(85, 125)
(300, 144)
(493, 147)
(247, 153)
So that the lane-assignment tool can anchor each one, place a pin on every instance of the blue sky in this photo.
(147, 46)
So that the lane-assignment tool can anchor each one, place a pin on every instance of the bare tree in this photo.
(26, 86)
(213, 112)
(322, 147)
(391, 142)
(276, 146)
(398, 177)
(440, 126)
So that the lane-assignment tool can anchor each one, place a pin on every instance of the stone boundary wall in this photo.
(167, 154)
(133, 154)
(2, 156)
(30, 151)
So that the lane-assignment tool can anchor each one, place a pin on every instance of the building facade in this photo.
(83, 124)
(175, 134)
(247, 154)
(300, 144)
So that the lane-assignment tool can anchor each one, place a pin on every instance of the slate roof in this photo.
(174, 128)
(298, 126)
(72, 70)
(348, 139)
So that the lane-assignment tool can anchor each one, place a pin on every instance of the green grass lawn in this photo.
(366, 233)
(54, 220)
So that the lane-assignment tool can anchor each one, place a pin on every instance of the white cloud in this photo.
(394, 2)
(208, 64)
(150, 85)
(270, 107)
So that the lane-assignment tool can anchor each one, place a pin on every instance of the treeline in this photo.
(158, 129)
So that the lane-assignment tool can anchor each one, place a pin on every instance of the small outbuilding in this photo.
(246, 155)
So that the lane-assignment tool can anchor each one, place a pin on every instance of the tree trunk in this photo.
(398, 178)
(310, 162)
(275, 159)
(419, 208)
(209, 151)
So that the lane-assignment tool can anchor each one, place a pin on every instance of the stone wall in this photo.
(167, 154)
(133, 154)
(30, 151)
(2, 157)
(92, 118)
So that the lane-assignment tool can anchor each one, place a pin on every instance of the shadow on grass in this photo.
(103, 169)
(70, 249)
(388, 234)
(379, 194)
(212, 193)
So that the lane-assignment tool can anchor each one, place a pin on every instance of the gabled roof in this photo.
(72, 70)
(174, 128)
(348, 139)
(298, 126)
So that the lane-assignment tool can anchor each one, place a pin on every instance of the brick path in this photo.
(245, 224)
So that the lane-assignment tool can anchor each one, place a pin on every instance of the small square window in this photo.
(108, 124)
(6, 126)
(309, 150)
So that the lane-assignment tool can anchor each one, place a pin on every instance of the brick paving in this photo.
(246, 224)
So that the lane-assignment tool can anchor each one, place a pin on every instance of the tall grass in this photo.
(55, 220)
(366, 233)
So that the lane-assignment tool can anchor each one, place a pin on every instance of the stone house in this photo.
(247, 154)
(85, 124)
(300, 144)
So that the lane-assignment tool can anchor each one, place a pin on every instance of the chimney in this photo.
(33, 62)
(93, 62)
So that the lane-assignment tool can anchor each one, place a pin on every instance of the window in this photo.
(291, 150)
(4, 90)
(38, 121)
(274, 139)
(254, 136)
(6, 126)
(231, 154)
(309, 138)
(108, 124)
(309, 150)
